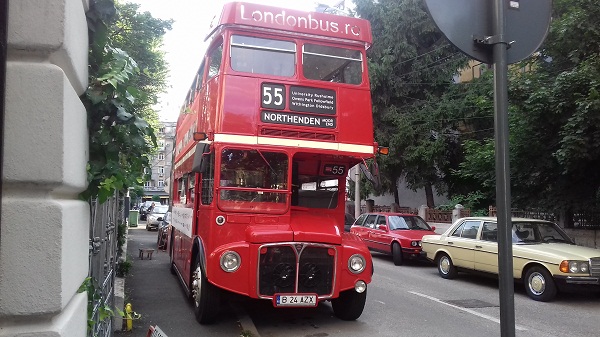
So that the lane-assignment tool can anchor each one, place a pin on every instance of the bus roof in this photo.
(283, 19)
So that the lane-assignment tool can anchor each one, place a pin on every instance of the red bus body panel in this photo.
(227, 108)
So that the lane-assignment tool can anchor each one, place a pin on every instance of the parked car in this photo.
(144, 209)
(156, 216)
(163, 231)
(348, 221)
(396, 234)
(545, 258)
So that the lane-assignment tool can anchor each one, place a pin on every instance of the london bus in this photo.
(277, 113)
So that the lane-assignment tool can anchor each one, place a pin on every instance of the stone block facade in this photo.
(45, 227)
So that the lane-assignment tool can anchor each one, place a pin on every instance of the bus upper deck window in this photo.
(332, 64)
(263, 56)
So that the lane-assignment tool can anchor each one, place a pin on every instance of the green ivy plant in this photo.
(105, 311)
(120, 140)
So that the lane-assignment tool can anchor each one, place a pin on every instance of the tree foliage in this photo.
(411, 64)
(554, 118)
(126, 73)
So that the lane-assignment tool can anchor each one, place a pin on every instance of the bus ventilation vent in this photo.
(297, 134)
(283, 270)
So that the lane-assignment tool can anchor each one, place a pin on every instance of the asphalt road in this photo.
(409, 300)
(158, 297)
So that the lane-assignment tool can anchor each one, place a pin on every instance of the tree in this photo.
(554, 118)
(411, 64)
(119, 97)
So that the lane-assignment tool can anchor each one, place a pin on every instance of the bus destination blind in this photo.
(287, 118)
(315, 100)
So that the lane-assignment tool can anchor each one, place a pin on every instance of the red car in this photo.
(396, 234)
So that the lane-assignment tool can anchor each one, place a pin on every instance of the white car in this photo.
(156, 216)
(545, 258)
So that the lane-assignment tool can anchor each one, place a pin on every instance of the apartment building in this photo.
(157, 183)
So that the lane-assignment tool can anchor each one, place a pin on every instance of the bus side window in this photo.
(215, 61)
(199, 78)
(191, 186)
(208, 181)
(182, 189)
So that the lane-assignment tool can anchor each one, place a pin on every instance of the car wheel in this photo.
(397, 254)
(349, 306)
(445, 266)
(539, 284)
(205, 295)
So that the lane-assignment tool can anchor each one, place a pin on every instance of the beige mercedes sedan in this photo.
(545, 258)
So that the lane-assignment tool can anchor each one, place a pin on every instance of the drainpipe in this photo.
(3, 53)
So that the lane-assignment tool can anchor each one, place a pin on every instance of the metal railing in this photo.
(103, 257)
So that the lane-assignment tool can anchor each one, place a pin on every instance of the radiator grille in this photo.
(595, 266)
(297, 268)
(296, 134)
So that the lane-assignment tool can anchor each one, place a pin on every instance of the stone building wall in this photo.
(44, 228)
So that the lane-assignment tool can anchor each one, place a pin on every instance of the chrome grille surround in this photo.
(296, 267)
(595, 266)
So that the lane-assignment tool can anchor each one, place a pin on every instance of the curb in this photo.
(246, 322)
(119, 288)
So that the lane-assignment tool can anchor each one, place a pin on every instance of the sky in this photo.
(184, 44)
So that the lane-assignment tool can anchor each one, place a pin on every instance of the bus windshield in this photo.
(248, 54)
(332, 64)
(253, 180)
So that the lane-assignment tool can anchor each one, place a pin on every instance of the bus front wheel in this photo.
(206, 297)
(349, 306)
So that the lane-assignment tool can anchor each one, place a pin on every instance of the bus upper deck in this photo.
(282, 78)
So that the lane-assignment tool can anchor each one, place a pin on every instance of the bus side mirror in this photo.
(200, 159)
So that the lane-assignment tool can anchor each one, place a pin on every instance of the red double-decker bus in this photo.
(279, 110)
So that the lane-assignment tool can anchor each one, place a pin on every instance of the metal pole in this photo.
(3, 60)
(357, 192)
(505, 254)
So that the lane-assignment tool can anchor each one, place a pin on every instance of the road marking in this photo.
(473, 312)
(380, 302)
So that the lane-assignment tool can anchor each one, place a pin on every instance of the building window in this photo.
(147, 184)
(161, 183)
(161, 144)
(161, 170)
(161, 130)
(161, 156)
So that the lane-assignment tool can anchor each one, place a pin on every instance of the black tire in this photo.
(446, 268)
(397, 254)
(171, 262)
(205, 295)
(539, 284)
(349, 306)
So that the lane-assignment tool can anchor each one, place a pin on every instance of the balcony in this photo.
(154, 188)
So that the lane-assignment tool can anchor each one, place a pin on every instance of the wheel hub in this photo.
(444, 265)
(196, 285)
(537, 283)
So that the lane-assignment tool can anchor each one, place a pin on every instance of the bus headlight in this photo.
(230, 261)
(356, 263)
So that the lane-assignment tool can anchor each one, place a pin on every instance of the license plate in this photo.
(306, 300)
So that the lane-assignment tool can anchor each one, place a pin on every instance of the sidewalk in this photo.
(159, 298)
